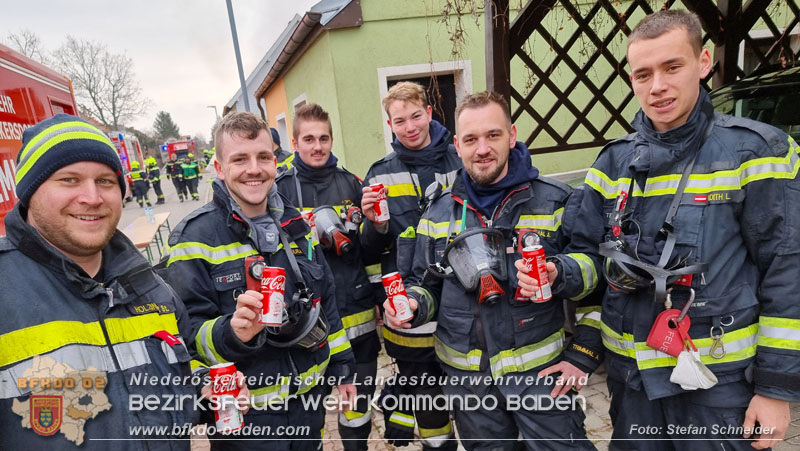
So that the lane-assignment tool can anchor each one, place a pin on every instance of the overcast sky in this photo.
(182, 50)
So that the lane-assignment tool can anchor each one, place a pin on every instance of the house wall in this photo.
(276, 104)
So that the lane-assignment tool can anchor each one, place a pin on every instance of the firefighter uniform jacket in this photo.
(190, 170)
(174, 169)
(740, 214)
(58, 321)
(154, 173)
(507, 336)
(139, 175)
(205, 264)
(405, 197)
(336, 187)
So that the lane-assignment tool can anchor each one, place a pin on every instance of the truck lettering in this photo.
(7, 182)
(6, 105)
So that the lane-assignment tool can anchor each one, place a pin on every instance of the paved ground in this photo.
(598, 424)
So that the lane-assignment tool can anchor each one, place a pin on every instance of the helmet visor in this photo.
(475, 253)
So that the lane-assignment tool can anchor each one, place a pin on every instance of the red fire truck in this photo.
(129, 150)
(180, 148)
(29, 93)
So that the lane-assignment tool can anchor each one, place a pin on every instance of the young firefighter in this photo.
(154, 174)
(140, 184)
(316, 183)
(282, 156)
(191, 174)
(423, 154)
(209, 262)
(467, 249)
(175, 173)
(695, 212)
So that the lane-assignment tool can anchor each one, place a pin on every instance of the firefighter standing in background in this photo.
(140, 184)
(190, 175)
(316, 181)
(207, 154)
(155, 178)
(283, 157)
(175, 173)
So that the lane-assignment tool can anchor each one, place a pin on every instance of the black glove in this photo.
(399, 423)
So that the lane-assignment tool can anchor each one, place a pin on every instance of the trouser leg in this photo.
(355, 425)
(480, 429)
(435, 429)
(178, 184)
(159, 193)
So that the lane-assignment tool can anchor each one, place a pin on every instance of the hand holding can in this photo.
(224, 392)
(273, 286)
(534, 259)
(397, 296)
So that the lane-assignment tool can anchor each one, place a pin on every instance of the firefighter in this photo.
(316, 183)
(206, 265)
(207, 154)
(175, 173)
(283, 157)
(423, 154)
(693, 221)
(485, 327)
(91, 310)
(140, 184)
(154, 174)
(191, 173)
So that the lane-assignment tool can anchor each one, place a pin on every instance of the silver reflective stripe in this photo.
(133, 354)
(206, 332)
(400, 418)
(425, 329)
(361, 329)
(375, 278)
(53, 132)
(470, 361)
(213, 255)
(399, 178)
(446, 179)
(590, 315)
(520, 360)
(778, 332)
(338, 341)
(277, 393)
(355, 422)
(437, 441)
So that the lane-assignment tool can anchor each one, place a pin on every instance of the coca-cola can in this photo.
(224, 390)
(381, 205)
(273, 287)
(398, 298)
(534, 259)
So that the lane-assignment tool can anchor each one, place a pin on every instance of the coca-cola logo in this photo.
(395, 287)
(225, 383)
(277, 283)
(528, 262)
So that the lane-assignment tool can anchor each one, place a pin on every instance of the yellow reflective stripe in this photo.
(358, 318)
(373, 270)
(408, 233)
(543, 222)
(616, 343)
(271, 393)
(405, 189)
(354, 414)
(196, 365)
(606, 187)
(444, 430)
(437, 230)
(137, 327)
(409, 342)
(40, 339)
(402, 419)
(588, 316)
(588, 273)
(204, 342)
(470, 361)
(781, 333)
(308, 378)
(215, 255)
(338, 342)
(527, 357)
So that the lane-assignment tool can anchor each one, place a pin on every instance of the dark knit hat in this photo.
(57, 142)
(276, 138)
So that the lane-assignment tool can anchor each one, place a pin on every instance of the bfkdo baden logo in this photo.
(46, 414)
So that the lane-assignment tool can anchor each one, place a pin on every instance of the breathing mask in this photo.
(331, 231)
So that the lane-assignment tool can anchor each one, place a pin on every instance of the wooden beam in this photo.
(526, 21)
(498, 57)
(726, 52)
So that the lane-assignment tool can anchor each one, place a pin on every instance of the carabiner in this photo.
(717, 350)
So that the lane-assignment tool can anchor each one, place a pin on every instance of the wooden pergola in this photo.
(727, 23)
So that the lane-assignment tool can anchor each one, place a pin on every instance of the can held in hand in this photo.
(273, 286)
(225, 389)
(398, 298)
(381, 205)
(534, 259)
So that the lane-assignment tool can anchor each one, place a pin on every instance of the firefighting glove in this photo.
(399, 423)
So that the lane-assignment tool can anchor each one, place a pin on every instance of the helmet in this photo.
(191, 155)
(304, 324)
(477, 258)
(152, 161)
(134, 164)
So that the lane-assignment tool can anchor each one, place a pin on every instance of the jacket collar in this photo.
(518, 194)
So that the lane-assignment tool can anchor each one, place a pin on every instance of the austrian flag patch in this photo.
(701, 198)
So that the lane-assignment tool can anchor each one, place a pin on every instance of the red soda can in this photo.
(382, 205)
(398, 298)
(534, 259)
(273, 286)
(224, 389)
(311, 220)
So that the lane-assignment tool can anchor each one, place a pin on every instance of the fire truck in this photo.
(180, 148)
(129, 150)
(29, 93)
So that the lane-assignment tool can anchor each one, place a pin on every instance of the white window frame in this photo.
(461, 70)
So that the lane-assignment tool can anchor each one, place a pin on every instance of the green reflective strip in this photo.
(402, 419)
(527, 357)
(401, 190)
(359, 323)
(287, 162)
(397, 184)
(470, 361)
(588, 316)
(409, 342)
(430, 433)
(373, 269)
(271, 393)
(191, 250)
(408, 233)
(616, 343)
(781, 333)
(140, 326)
(542, 222)
(728, 180)
(25, 343)
(338, 342)
(55, 135)
(437, 230)
(197, 365)
(354, 419)
(204, 342)
(588, 273)
(308, 378)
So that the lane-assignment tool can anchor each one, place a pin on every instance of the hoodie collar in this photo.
(440, 140)
(315, 173)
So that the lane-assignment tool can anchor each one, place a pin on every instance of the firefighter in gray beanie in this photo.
(57, 142)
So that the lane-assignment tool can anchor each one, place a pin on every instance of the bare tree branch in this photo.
(29, 44)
